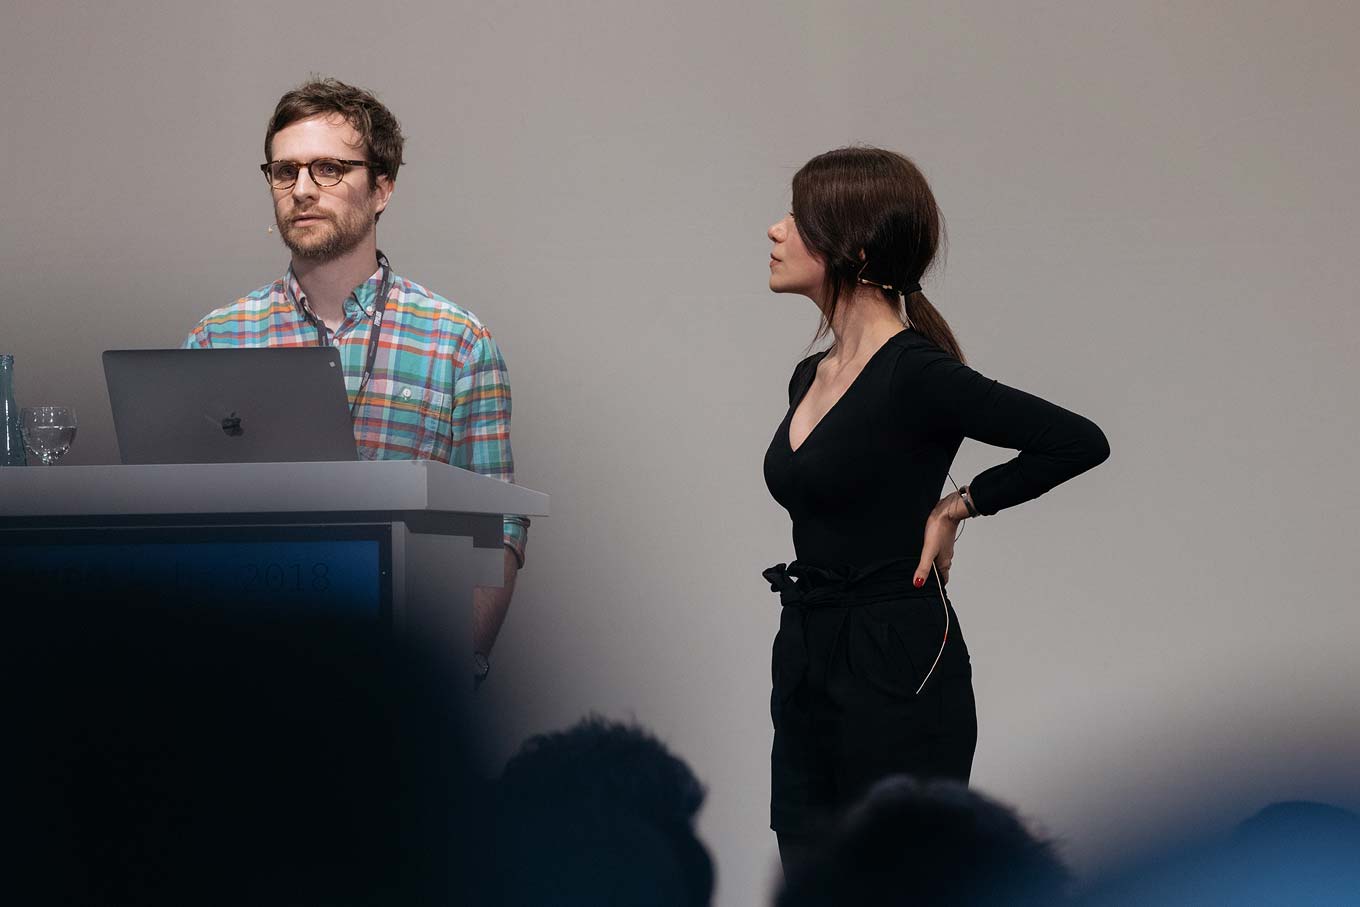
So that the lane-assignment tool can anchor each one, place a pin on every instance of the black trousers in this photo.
(852, 651)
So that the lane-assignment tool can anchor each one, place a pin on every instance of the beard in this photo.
(331, 238)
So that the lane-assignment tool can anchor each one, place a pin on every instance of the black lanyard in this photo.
(371, 353)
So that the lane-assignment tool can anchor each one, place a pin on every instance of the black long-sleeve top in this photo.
(860, 487)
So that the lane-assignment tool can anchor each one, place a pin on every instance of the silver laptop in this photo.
(281, 405)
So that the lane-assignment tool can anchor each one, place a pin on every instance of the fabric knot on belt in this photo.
(804, 584)
(808, 585)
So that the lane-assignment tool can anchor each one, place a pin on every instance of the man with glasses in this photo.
(436, 387)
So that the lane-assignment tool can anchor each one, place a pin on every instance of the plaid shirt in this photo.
(439, 389)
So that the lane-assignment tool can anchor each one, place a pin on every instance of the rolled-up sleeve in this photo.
(481, 418)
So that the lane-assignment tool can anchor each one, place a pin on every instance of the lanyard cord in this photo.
(371, 352)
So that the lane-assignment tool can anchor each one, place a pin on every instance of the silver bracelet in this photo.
(968, 501)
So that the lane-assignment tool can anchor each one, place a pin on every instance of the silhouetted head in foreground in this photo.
(937, 842)
(193, 756)
(599, 814)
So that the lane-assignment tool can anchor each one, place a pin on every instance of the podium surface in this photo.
(35, 495)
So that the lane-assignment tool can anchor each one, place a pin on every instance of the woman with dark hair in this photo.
(871, 674)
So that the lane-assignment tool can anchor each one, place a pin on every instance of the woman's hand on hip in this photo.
(941, 528)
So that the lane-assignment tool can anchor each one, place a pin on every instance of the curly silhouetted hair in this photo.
(935, 842)
(601, 813)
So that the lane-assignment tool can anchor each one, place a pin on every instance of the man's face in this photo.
(316, 223)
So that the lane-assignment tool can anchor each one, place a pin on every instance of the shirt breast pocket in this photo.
(415, 422)
(432, 416)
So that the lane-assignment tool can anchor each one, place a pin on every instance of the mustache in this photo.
(311, 212)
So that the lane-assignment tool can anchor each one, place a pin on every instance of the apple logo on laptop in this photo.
(231, 426)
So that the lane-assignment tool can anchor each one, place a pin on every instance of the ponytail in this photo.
(927, 320)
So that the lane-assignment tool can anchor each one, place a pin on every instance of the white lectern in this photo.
(403, 540)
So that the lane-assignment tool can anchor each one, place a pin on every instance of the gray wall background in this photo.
(1151, 211)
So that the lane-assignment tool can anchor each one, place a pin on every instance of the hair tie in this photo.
(905, 291)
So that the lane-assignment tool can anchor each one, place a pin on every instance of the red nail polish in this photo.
(919, 582)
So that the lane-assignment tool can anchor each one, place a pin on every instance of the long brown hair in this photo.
(873, 201)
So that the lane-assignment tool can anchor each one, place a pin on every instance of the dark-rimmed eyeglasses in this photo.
(325, 171)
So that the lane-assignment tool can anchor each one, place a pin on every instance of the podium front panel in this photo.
(335, 569)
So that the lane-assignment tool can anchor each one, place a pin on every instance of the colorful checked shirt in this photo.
(439, 390)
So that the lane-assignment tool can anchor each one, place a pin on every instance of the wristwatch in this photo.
(481, 666)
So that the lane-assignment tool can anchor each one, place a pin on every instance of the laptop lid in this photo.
(272, 405)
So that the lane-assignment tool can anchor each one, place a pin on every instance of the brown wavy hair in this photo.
(377, 127)
(876, 202)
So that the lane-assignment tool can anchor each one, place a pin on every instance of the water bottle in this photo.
(12, 441)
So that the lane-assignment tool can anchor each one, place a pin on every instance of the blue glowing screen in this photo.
(337, 576)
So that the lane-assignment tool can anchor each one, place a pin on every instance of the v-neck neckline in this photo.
(793, 409)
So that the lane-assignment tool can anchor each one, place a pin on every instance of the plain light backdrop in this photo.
(1152, 221)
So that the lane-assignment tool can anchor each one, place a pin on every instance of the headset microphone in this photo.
(943, 601)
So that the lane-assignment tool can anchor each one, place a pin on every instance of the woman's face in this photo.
(793, 268)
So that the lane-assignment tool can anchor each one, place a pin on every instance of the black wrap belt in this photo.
(806, 588)
(803, 584)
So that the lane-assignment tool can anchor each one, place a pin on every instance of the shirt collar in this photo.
(359, 302)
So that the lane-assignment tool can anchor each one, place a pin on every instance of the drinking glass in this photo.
(48, 431)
